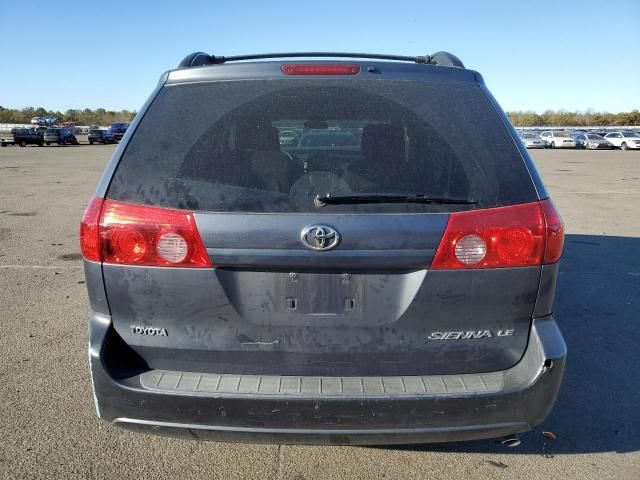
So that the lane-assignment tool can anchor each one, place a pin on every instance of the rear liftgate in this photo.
(333, 295)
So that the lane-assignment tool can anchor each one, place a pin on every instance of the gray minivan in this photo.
(395, 288)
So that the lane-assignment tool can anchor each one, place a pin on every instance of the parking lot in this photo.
(48, 426)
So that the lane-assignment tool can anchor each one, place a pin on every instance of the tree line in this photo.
(549, 118)
(99, 116)
(560, 118)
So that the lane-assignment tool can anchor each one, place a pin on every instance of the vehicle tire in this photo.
(48, 143)
(623, 146)
(41, 143)
(90, 142)
(553, 144)
(22, 143)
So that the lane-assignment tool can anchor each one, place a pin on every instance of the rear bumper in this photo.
(328, 411)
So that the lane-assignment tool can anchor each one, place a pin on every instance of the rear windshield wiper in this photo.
(322, 200)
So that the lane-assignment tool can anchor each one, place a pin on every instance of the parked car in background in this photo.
(288, 137)
(319, 139)
(592, 141)
(100, 136)
(624, 139)
(44, 121)
(22, 137)
(322, 139)
(531, 140)
(61, 136)
(578, 138)
(118, 130)
(558, 139)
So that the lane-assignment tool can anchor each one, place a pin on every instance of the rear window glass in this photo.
(272, 146)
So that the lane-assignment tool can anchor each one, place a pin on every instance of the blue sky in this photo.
(572, 55)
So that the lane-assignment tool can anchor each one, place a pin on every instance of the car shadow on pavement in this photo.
(597, 308)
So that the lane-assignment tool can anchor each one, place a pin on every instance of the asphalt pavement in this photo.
(48, 425)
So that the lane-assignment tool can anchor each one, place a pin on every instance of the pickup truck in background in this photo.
(22, 137)
(118, 129)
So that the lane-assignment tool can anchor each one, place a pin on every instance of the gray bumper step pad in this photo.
(188, 383)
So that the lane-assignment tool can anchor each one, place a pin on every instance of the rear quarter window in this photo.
(227, 146)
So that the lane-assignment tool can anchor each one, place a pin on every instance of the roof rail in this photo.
(197, 59)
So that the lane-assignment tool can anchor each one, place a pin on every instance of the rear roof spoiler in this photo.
(198, 59)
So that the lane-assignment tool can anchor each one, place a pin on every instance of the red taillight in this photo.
(514, 236)
(555, 232)
(115, 232)
(89, 238)
(142, 235)
(320, 69)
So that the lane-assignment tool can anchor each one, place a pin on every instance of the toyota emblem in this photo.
(320, 237)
